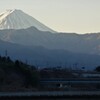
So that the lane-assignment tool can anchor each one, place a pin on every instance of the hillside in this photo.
(17, 76)
(43, 57)
(85, 43)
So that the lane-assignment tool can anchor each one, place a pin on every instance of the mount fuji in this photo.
(17, 19)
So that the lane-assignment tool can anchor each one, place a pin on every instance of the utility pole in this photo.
(26, 62)
(6, 53)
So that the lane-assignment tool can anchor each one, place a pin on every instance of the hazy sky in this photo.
(61, 15)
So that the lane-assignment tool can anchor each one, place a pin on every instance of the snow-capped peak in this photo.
(6, 13)
(17, 19)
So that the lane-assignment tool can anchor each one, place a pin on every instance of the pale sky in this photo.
(81, 16)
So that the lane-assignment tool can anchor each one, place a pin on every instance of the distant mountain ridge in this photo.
(42, 57)
(85, 43)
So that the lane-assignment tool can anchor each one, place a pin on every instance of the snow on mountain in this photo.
(17, 19)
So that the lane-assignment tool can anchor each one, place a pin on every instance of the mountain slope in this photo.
(43, 57)
(86, 43)
(17, 19)
(17, 75)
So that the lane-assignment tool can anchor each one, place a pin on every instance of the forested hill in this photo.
(17, 76)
